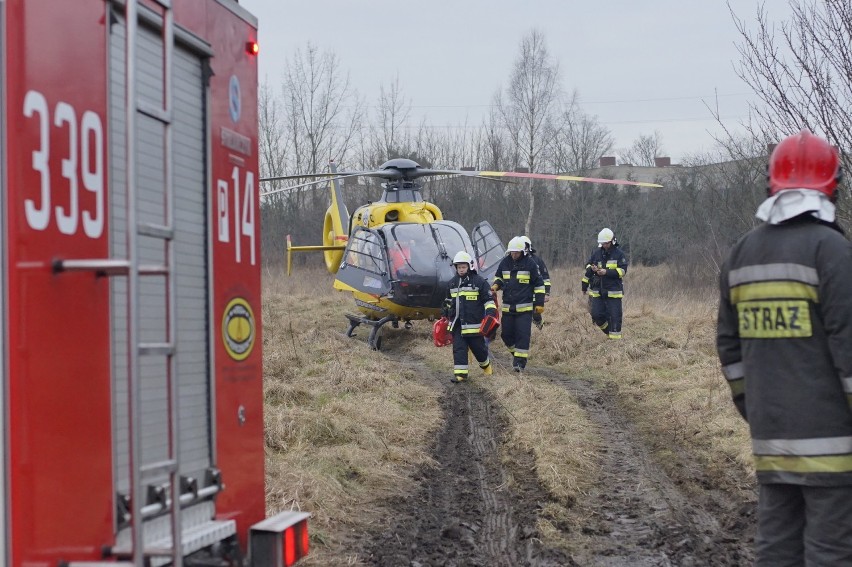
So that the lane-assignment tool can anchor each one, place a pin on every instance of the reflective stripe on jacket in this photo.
(784, 338)
(542, 269)
(612, 282)
(521, 284)
(470, 299)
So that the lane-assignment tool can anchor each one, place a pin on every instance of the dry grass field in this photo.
(348, 428)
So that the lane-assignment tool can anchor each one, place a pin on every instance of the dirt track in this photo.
(638, 514)
(467, 513)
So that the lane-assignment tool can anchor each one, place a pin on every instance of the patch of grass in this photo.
(340, 430)
(665, 369)
(346, 426)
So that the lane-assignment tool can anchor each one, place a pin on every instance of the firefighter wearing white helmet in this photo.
(545, 275)
(515, 245)
(523, 294)
(604, 281)
(468, 303)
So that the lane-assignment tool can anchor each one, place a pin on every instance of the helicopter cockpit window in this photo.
(411, 249)
(452, 237)
(365, 252)
(403, 196)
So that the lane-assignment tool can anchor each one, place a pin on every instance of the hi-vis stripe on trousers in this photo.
(516, 331)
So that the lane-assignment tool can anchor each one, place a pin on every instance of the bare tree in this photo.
(802, 73)
(530, 104)
(644, 149)
(324, 113)
(273, 142)
(579, 141)
(392, 112)
(493, 152)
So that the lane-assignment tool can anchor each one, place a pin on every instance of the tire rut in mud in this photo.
(470, 509)
(639, 515)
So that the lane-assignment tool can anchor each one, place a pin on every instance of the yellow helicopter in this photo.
(394, 255)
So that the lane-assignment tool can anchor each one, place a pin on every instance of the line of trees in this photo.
(535, 124)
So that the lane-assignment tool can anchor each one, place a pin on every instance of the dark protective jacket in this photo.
(468, 301)
(521, 284)
(612, 282)
(784, 338)
(542, 269)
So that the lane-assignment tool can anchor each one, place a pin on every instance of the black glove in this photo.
(446, 308)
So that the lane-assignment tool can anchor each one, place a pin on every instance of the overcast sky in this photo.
(638, 66)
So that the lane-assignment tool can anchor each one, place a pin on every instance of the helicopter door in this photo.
(487, 248)
(365, 264)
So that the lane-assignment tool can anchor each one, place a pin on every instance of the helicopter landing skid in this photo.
(375, 338)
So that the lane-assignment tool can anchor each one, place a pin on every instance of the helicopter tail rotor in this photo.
(289, 255)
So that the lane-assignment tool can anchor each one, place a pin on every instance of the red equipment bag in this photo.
(440, 334)
(489, 326)
(490, 323)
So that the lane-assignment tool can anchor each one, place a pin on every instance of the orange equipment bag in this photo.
(440, 334)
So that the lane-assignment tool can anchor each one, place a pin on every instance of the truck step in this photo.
(192, 540)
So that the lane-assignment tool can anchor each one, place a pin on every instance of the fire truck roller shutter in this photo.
(191, 251)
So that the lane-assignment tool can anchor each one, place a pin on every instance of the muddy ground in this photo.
(466, 513)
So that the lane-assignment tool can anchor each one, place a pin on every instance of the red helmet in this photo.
(804, 161)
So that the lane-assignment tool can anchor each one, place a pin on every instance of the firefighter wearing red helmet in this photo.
(784, 340)
(468, 304)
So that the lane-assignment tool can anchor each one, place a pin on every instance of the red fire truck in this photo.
(132, 405)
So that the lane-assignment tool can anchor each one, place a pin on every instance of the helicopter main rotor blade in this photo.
(394, 173)
(300, 185)
(453, 172)
(307, 176)
(564, 178)
(387, 174)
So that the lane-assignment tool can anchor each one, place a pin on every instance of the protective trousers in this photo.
(516, 331)
(461, 344)
(803, 525)
(606, 314)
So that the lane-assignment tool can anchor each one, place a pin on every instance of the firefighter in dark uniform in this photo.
(523, 294)
(545, 275)
(784, 340)
(468, 302)
(604, 281)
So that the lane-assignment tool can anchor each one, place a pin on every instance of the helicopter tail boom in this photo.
(291, 249)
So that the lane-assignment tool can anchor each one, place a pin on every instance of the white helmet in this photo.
(516, 245)
(527, 242)
(463, 257)
(605, 235)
